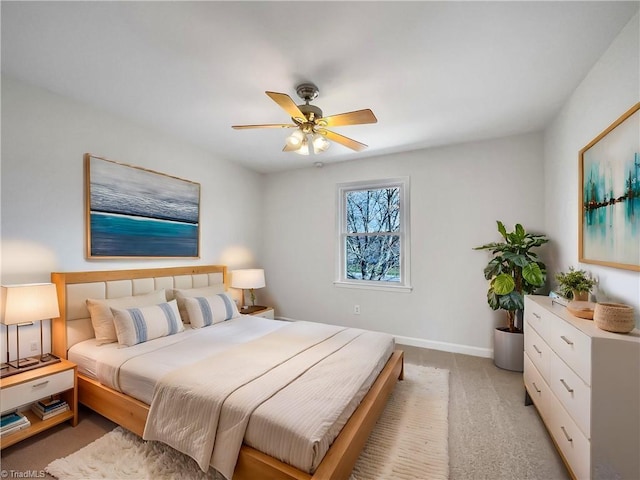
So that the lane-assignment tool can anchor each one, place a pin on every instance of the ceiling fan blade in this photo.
(287, 105)
(358, 117)
(341, 139)
(266, 125)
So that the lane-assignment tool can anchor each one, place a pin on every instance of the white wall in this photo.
(610, 89)
(44, 137)
(286, 222)
(457, 194)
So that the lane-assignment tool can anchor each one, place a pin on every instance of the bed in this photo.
(73, 329)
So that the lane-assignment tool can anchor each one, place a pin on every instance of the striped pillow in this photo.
(181, 293)
(137, 325)
(205, 311)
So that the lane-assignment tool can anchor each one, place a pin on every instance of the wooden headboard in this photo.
(74, 323)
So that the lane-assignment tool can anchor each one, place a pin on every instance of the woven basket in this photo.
(614, 317)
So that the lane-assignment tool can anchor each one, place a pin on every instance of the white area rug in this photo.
(409, 442)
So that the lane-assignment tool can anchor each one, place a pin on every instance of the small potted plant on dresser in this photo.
(514, 270)
(575, 284)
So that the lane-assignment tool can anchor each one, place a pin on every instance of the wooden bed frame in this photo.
(252, 464)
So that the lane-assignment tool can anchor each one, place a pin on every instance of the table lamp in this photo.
(248, 279)
(25, 304)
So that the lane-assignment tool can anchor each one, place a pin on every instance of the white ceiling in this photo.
(434, 73)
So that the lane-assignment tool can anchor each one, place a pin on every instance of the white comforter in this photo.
(287, 389)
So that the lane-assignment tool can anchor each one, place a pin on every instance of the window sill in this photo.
(368, 286)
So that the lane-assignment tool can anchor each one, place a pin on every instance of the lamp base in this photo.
(26, 364)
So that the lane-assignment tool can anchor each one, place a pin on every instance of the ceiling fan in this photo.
(310, 125)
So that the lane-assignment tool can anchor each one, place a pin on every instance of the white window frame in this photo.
(404, 285)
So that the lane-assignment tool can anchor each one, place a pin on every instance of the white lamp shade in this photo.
(295, 139)
(304, 147)
(320, 143)
(248, 278)
(28, 303)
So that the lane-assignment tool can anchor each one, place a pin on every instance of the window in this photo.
(373, 239)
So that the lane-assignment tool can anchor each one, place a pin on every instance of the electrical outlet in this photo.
(34, 346)
(356, 309)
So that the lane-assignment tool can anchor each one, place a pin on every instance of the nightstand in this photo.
(22, 389)
(264, 312)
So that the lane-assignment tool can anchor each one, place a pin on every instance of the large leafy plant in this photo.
(514, 270)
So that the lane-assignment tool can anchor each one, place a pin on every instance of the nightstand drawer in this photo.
(28, 392)
(265, 314)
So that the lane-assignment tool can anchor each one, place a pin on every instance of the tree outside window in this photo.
(373, 232)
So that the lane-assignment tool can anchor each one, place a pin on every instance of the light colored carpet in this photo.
(410, 441)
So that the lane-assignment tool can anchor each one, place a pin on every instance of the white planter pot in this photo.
(508, 350)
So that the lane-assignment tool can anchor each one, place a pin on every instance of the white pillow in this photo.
(181, 294)
(102, 318)
(205, 311)
(137, 325)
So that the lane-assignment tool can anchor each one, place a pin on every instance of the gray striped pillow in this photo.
(205, 311)
(138, 325)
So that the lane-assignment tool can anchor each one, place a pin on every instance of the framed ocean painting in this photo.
(134, 212)
(609, 226)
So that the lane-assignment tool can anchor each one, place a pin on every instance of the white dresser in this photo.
(585, 383)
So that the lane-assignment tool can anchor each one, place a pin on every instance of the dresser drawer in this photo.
(573, 393)
(574, 446)
(21, 394)
(538, 351)
(572, 346)
(538, 389)
(536, 316)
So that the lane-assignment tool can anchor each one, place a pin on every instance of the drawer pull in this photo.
(536, 349)
(569, 389)
(536, 387)
(566, 434)
(569, 342)
(36, 385)
(536, 315)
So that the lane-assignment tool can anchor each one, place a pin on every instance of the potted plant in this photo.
(575, 284)
(513, 271)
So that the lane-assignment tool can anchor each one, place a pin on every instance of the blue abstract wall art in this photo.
(133, 212)
(609, 231)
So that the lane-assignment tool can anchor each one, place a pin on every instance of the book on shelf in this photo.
(43, 415)
(48, 405)
(12, 422)
(60, 408)
(9, 419)
(15, 429)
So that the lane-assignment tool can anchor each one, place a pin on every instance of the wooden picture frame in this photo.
(609, 195)
(132, 212)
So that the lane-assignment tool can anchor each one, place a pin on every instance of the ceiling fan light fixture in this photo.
(296, 139)
(304, 147)
(310, 123)
(320, 143)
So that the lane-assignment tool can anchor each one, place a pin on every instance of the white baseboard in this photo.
(432, 344)
(445, 346)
